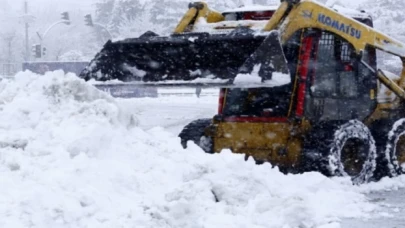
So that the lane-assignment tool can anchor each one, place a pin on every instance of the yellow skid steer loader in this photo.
(299, 85)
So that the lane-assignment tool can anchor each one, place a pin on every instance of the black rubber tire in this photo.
(397, 130)
(354, 129)
(194, 131)
(323, 149)
(380, 130)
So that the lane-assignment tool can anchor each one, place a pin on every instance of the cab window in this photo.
(260, 102)
(265, 102)
(336, 69)
(340, 87)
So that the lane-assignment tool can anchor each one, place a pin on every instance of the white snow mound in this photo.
(72, 156)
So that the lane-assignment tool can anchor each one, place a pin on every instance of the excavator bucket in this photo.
(194, 58)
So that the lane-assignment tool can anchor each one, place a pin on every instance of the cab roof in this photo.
(252, 8)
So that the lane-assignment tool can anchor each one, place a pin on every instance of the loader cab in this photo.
(328, 83)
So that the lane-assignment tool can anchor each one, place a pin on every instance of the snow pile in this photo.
(72, 156)
(228, 26)
(385, 184)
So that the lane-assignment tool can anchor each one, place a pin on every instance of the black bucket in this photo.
(186, 57)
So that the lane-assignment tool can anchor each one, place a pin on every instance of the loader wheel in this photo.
(380, 130)
(194, 131)
(352, 152)
(395, 148)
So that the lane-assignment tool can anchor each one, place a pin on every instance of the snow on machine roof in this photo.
(252, 8)
(260, 8)
(245, 16)
(351, 12)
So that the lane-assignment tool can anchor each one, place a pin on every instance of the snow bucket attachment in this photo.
(190, 58)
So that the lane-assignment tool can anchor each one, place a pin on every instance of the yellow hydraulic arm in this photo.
(196, 11)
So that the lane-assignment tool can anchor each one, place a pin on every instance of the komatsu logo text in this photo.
(348, 29)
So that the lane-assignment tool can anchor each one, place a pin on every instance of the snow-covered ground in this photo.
(72, 156)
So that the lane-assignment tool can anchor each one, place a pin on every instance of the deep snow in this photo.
(72, 156)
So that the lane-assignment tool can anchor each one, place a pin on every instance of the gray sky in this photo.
(86, 4)
(17, 5)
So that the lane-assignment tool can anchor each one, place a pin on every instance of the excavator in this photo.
(299, 85)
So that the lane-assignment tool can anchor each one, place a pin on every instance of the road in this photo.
(392, 215)
(176, 108)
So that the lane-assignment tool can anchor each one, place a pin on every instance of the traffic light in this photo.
(88, 20)
(43, 51)
(36, 51)
(66, 18)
